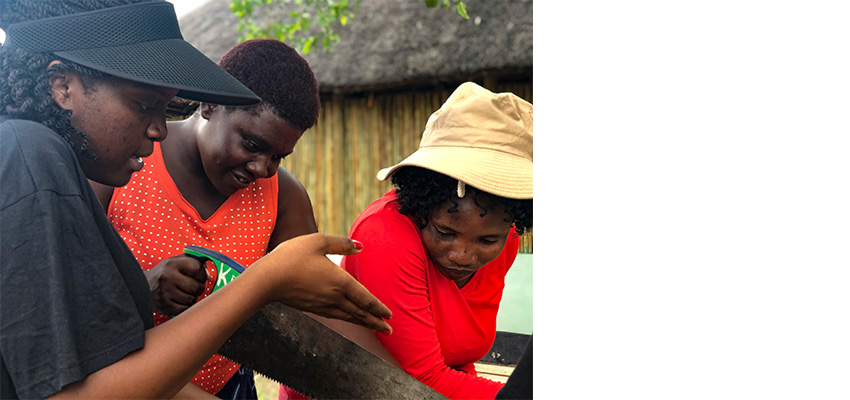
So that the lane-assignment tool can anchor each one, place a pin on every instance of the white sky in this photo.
(183, 7)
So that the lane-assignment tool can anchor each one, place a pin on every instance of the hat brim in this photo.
(495, 172)
(172, 63)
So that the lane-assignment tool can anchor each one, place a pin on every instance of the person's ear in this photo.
(208, 109)
(61, 87)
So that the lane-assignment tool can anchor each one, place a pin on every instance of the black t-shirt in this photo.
(73, 299)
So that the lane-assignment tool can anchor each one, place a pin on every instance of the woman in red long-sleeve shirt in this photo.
(437, 248)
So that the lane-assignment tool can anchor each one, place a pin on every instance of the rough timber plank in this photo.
(496, 372)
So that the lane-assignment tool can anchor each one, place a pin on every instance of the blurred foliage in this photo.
(447, 4)
(297, 32)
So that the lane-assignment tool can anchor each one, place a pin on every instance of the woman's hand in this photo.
(175, 283)
(306, 279)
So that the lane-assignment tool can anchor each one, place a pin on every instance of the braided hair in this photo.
(25, 76)
(420, 191)
(276, 73)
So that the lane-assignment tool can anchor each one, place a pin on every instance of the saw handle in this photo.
(223, 271)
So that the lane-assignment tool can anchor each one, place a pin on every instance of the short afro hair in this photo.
(420, 191)
(280, 76)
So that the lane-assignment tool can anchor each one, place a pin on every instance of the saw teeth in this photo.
(307, 393)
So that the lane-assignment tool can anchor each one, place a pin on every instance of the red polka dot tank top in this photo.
(157, 222)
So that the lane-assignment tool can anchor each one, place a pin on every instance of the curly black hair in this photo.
(420, 191)
(24, 75)
(280, 76)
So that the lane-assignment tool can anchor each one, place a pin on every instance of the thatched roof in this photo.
(395, 43)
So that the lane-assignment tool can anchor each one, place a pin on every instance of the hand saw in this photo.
(289, 347)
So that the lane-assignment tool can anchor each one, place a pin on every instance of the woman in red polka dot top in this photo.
(217, 182)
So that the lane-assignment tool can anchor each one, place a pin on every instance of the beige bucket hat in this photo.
(480, 138)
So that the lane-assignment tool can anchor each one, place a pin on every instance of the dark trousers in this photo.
(239, 387)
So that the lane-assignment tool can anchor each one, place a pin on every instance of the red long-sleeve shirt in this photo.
(439, 330)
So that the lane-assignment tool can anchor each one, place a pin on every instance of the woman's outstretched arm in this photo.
(174, 351)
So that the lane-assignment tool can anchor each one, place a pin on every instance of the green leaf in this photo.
(461, 10)
(308, 45)
(236, 8)
(431, 3)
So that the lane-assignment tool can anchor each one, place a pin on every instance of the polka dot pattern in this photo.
(157, 222)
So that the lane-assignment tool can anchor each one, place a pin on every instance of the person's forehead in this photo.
(458, 206)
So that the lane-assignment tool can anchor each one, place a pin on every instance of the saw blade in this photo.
(289, 347)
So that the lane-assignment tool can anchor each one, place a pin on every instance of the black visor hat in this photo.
(138, 42)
